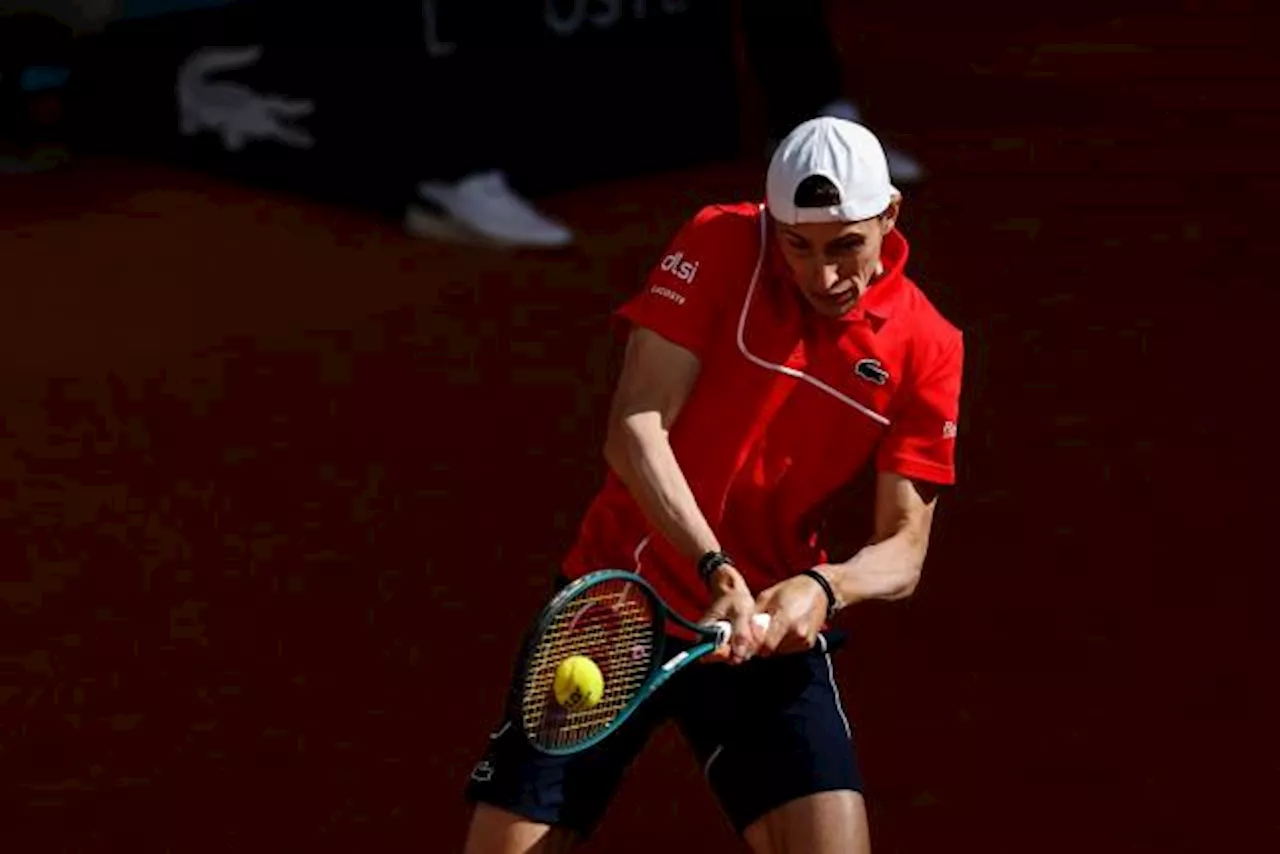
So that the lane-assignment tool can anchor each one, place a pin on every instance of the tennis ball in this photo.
(579, 683)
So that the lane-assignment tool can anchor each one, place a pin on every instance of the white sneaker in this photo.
(903, 168)
(483, 207)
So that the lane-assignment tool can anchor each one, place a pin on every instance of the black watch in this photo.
(709, 563)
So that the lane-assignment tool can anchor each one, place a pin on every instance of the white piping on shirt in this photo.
(783, 369)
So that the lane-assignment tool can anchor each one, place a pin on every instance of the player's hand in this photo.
(733, 602)
(797, 610)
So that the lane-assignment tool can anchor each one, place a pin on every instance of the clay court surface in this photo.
(279, 485)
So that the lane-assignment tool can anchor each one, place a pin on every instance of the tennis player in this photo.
(776, 351)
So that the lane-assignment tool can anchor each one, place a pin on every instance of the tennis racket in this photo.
(618, 621)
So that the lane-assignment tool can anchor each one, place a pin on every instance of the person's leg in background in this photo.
(790, 51)
(793, 59)
(463, 193)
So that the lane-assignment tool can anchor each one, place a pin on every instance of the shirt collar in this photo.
(886, 291)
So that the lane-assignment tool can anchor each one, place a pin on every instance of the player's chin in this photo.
(829, 306)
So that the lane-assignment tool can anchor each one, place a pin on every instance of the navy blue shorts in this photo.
(766, 732)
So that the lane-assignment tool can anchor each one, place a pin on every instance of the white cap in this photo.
(843, 152)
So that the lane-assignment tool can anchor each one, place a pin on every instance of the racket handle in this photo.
(724, 630)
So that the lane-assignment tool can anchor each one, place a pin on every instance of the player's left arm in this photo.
(915, 463)
(889, 567)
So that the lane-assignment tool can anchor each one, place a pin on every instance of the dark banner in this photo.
(358, 103)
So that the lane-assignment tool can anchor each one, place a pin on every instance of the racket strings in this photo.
(616, 630)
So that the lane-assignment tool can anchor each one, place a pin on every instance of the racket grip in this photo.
(724, 630)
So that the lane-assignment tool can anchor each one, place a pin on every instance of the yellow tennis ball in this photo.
(579, 683)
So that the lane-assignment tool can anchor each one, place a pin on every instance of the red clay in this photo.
(278, 487)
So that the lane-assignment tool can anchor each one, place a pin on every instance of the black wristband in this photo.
(826, 588)
(709, 563)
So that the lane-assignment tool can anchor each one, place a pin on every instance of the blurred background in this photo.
(305, 352)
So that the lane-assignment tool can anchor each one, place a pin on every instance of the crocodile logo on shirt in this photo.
(872, 371)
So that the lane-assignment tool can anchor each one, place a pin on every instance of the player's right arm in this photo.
(657, 376)
(673, 320)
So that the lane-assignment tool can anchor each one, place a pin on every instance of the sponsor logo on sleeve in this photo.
(677, 265)
(667, 293)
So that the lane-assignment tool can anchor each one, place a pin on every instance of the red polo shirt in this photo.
(788, 406)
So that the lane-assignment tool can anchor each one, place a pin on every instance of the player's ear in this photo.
(889, 218)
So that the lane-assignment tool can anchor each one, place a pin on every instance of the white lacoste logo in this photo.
(949, 430)
(232, 110)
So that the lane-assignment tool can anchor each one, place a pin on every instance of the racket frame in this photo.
(661, 668)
